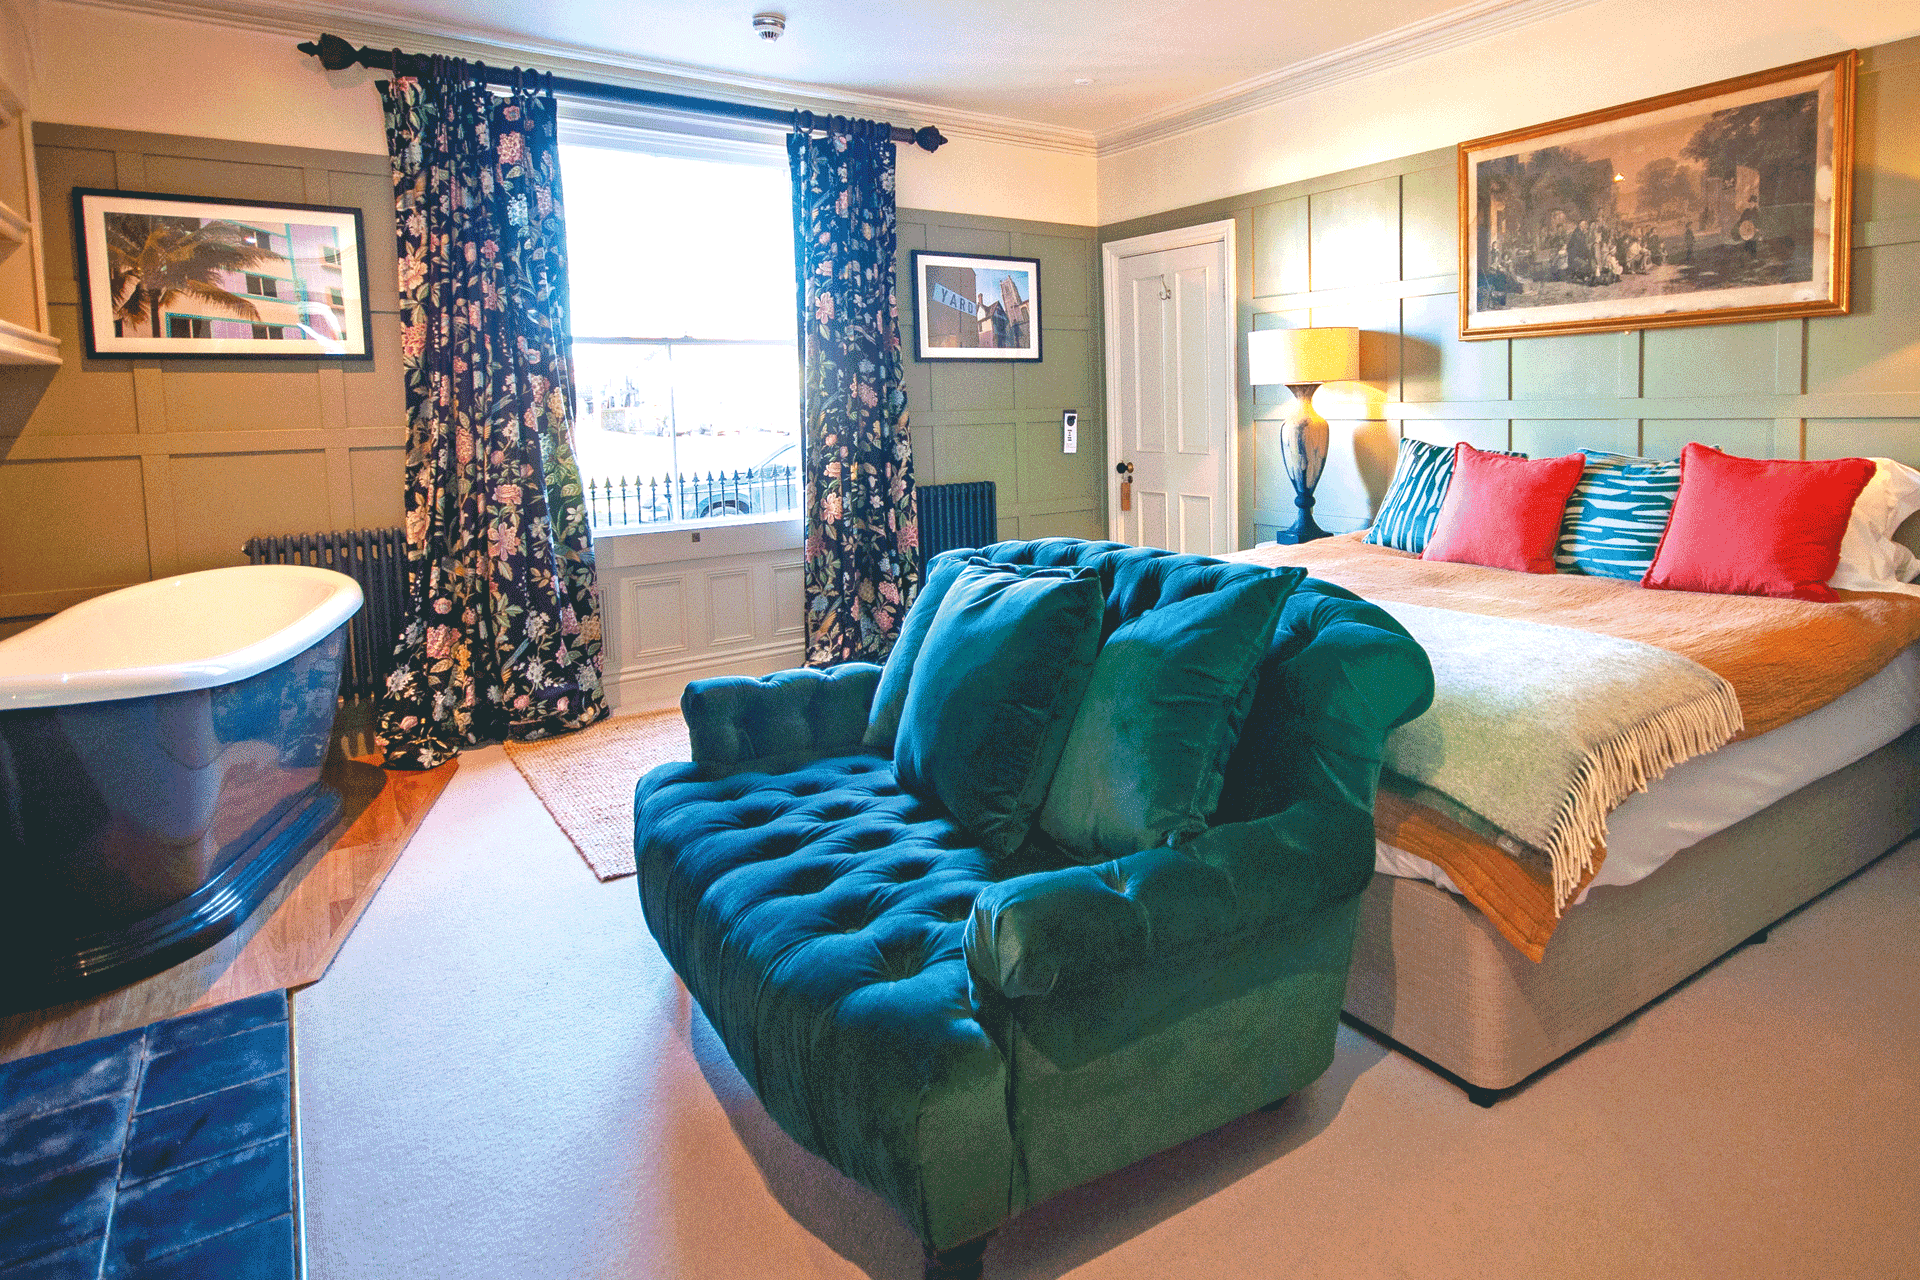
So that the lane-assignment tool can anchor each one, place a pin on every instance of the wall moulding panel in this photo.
(1001, 422)
(679, 609)
(1374, 247)
(204, 454)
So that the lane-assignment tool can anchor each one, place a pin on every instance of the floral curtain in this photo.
(502, 638)
(863, 544)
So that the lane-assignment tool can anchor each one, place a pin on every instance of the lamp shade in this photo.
(1295, 356)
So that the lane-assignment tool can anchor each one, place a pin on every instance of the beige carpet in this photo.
(501, 1079)
(586, 781)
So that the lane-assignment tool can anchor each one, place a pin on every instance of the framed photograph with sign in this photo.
(1729, 202)
(171, 277)
(971, 306)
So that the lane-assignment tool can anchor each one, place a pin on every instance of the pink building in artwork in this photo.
(296, 293)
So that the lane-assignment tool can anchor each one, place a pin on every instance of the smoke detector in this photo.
(769, 25)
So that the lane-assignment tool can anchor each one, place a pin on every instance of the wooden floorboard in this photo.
(288, 941)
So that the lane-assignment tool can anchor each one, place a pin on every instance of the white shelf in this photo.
(24, 346)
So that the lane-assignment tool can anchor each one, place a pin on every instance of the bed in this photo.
(1822, 778)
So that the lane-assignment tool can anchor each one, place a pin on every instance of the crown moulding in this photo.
(274, 17)
(1465, 24)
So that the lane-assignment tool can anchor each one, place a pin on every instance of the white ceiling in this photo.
(1014, 59)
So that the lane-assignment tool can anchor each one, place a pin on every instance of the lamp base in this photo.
(1304, 529)
(1303, 454)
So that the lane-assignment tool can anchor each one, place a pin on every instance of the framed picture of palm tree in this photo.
(168, 276)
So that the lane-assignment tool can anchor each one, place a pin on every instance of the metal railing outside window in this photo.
(626, 502)
(684, 429)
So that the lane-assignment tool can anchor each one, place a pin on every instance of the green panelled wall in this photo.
(1001, 422)
(1376, 248)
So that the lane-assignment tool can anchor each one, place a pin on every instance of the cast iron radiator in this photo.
(956, 515)
(377, 560)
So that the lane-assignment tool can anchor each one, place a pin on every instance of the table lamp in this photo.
(1303, 359)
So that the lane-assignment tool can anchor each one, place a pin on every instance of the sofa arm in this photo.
(1054, 930)
(778, 721)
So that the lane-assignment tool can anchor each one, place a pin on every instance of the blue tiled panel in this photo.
(159, 1153)
(76, 1260)
(257, 1251)
(205, 1068)
(59, 1142)
(211, 1024)
(206, 1126)
(63, 1210)
(77, 1073)
(170, 1211)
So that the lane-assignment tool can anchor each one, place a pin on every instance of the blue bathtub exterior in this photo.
(139, 831)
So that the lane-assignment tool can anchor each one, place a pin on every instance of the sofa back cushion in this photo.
(993, 694)
(890, 698)
(1134, 579)
(1169, 693)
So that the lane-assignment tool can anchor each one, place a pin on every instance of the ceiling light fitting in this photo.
(770, 25)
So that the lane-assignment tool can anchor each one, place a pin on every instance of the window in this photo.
(683, 328)
(336, 298)
(269, 331)
(262, 286)
(329, 255)
(189, 327)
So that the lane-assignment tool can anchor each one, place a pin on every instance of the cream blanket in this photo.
(1784, 658)
(1541, 731)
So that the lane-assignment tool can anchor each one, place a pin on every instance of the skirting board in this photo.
(1431, 973)
(638, 690)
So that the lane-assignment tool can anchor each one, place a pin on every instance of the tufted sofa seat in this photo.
(967, 1035)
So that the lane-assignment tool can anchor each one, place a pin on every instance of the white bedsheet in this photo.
(1710, 793)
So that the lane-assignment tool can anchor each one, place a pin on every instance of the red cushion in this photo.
(1503, 512)
(1743, 527)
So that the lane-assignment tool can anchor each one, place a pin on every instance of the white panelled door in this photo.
(1170, 386)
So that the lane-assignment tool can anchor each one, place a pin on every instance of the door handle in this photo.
(1125, 471)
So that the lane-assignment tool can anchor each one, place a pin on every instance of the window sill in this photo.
(628, 545)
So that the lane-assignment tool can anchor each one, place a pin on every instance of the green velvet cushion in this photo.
(993, 694)
(883, 718)
(1148, 751)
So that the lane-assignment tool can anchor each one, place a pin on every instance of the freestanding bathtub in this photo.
(160, 756)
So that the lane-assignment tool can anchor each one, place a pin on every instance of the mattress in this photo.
(1710, 793)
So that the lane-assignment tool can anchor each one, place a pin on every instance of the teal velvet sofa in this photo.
(968, 1034)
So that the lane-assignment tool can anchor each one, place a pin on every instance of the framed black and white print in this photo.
(1729, 202)
(971, 306)
(167, 276)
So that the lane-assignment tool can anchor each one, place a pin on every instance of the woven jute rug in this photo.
(586, 781)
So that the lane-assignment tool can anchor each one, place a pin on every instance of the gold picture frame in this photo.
(1739, 206)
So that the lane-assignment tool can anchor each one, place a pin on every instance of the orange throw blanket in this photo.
(1784, 658)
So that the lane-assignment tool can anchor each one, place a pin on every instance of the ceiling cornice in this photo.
(1470, 22)
(307, 20)
(1466, 24)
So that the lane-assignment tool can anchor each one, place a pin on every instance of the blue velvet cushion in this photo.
(883, 718)
(1144, 763)
(993, 694)
(1617, 516)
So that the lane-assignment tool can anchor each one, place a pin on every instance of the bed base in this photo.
(1431, 974)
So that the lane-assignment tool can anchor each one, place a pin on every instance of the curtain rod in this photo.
(336, 54)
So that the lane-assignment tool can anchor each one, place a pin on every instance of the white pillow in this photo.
(1870, 560)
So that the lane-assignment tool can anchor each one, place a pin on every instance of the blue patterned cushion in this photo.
(1616, 516)
(1412, 504)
